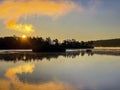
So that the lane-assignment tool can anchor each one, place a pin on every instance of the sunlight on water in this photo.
(59, 71)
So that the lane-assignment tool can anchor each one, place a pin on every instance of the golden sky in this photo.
(63, 19)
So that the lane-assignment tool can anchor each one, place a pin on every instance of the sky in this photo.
(62, 19)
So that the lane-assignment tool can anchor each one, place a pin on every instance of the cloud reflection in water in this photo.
(13, 83)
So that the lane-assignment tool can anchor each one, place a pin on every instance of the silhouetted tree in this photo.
(40, 44)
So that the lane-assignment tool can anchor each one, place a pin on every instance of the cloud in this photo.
(14, 83)
(14, 9)
(26, 68)
(94, 4)
(25, 28)
(18, 8)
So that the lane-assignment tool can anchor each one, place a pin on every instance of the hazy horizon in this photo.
(26, 36)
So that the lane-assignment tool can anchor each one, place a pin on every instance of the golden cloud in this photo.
(17, 85)
(26, 28)
(26, 68)
(14, 9)
(18, 8)
(14, 83)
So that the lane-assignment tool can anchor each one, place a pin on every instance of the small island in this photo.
(49, 45)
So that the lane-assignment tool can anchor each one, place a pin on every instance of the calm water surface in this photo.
(59, 71)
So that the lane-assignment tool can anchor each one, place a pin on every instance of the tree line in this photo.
(107, 43)
(14, 42)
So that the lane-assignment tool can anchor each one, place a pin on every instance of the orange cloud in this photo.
(27, 68)
(26, 28)
(11, 9)
(14, 83)
(18, 8)
(17, 85)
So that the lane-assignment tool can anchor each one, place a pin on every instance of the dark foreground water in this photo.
(21, 70)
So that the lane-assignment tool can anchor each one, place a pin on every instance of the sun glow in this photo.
(24, 36)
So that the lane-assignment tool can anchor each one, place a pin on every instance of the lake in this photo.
(73, 70)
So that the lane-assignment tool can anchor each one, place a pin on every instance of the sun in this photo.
(23, 36)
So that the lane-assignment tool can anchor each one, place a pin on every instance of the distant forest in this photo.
(107, 43)
(42, 44)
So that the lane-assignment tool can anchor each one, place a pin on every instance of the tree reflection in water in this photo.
(30, 56)
(64, 73)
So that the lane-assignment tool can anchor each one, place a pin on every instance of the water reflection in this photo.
(30, 56)
(107, 52)
(13, 83)
(60, 71)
